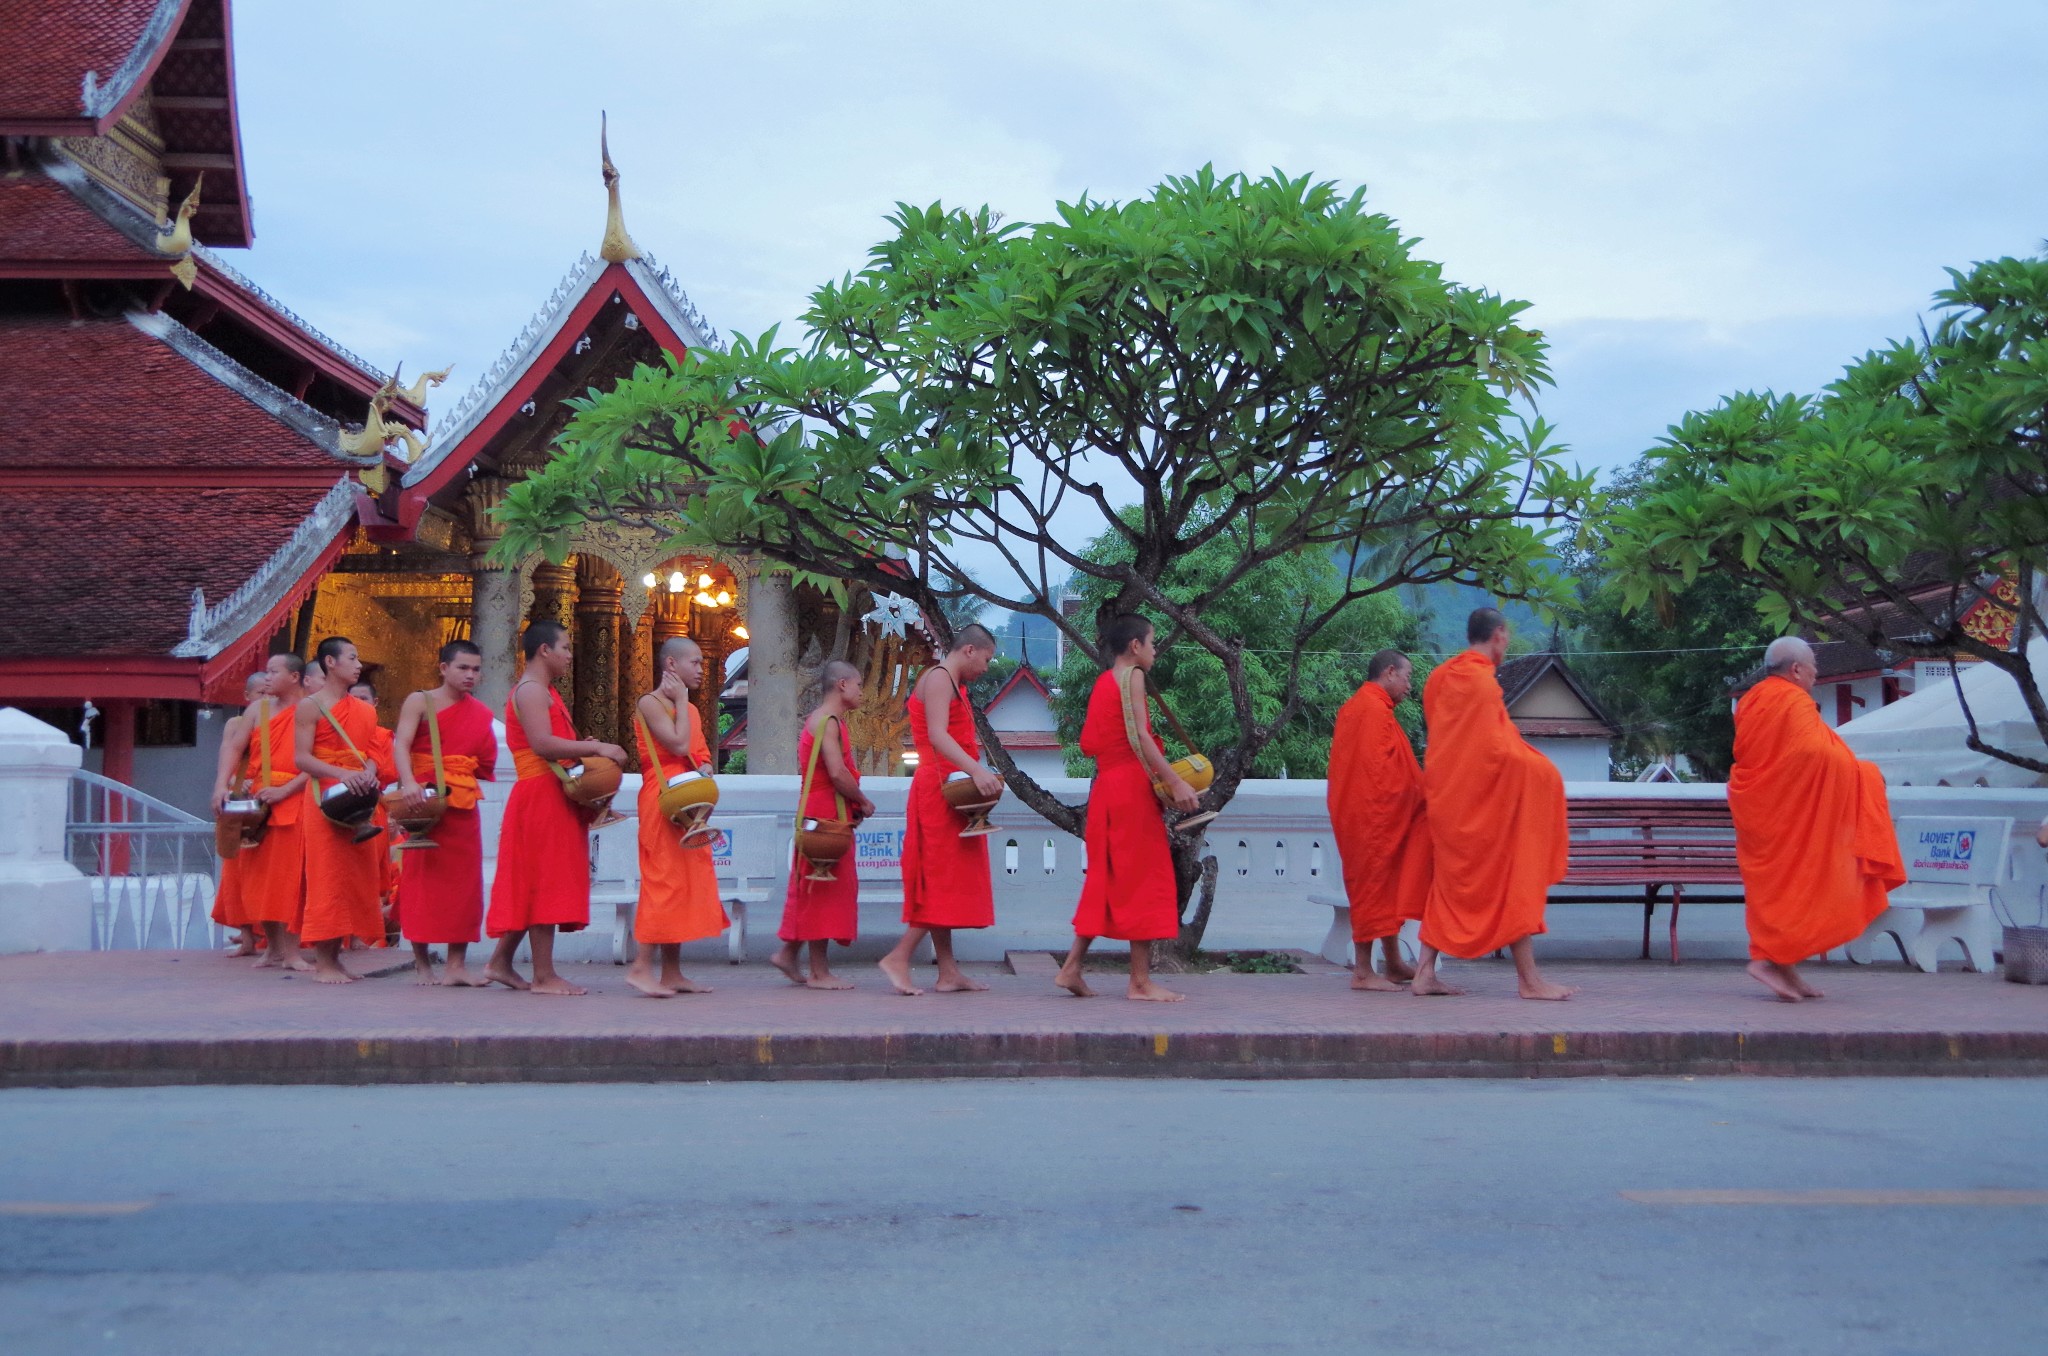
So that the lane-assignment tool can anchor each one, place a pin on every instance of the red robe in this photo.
(273, 872)
(227, 896)
(946, 881)
(1129, 893)
(1813, 828)
(678, 885)
(441, 888)
(543, 875)
(344, 878)
(1376, 810)
(823, 910)
(1496, 815)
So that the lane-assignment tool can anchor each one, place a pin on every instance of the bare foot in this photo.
(245, 944)
(295, 961)
(784, 959)
(1071, 979)
(495, 973)
(959, 983)
(452, 978)
(1766, 974)
(1375, 983)
(897, 972)
(1429, 986)
(332, 972)
(423, 973)
(1545, 990)
(827, 980)
(1798, 981)
(271, 959)
(677, 983)
(1152, 991)
(646, 984)
(558, 986)
(1396, 969)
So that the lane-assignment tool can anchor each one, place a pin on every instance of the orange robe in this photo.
(946, 881)
(441, 888)
(543, 875)
(1813, 829)
(385, 754)
(227, 897)
(823, 910)
(344, 879)
(1376, 809)
(273, 872)
(1496, 815)
(678, 885)
(1129, 892)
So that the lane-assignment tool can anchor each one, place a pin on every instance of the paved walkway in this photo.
(134, 1018)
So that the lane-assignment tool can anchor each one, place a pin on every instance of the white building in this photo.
(1021, 715)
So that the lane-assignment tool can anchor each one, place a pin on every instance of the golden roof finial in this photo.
(177, 240)
(618, 247)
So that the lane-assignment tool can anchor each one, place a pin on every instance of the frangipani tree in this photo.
(1918, 483)
(1259, 362)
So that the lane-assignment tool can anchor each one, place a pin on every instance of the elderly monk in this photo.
(273, 872)
(337, 742)
(234, 746)
(441, 888)
(946, 882)
(543, 880)
(1496, 818)
(1813, 831)
(678, 883)
(1376, 808)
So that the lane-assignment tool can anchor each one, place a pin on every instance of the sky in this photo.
(1698, 198)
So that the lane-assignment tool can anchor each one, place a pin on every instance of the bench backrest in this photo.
(748, 847)
(1954, 854)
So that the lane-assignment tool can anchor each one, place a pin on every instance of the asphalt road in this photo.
(996, 1217)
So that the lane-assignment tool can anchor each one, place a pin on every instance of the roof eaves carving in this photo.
(100, 98)
(212, 629)
(658, 282)
(295, 414)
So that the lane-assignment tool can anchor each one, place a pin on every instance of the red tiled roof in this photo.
(1562, 727)
(47, 46)
(1029, 739)
(41, 221)
(93, 571)
(102, 394)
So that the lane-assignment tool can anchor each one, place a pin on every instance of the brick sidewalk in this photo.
(133, 1018)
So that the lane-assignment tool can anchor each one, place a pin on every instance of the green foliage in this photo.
(983, 689)
(1924, 465)
(1677, 701)
(1260, 612)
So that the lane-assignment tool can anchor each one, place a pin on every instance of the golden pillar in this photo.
(600, 595)
(554, 599)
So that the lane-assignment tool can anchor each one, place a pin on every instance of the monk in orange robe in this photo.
(1129, 892)
(234, 747)
(273, 871)
(543, 880)
(441, 888)
(1496, 819)
(1376, 810)
(817, 913)
(946, 881)
(337, 737)
(1813, 829)
(678, 884)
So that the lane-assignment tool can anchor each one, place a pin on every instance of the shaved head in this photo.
(1784, 652)
(838, 671)
(974, 636)
(676, 647)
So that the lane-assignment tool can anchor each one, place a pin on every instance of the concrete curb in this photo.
(731, 1058)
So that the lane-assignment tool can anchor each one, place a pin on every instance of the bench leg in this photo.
(622, 933)
(1336, 947)
(736, 935)
(1677, 898)
(1649, 908)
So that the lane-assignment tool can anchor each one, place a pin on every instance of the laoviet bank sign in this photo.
(1953, 850)
(1943, 850)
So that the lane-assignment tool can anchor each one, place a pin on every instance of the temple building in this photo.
(199, 478)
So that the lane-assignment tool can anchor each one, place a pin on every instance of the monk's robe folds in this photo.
(441, 889)
(1128, 893)
(544, 845)
(273, 873)
(946, 881)
(678, 885)
(822, 910)
(1496, 815)
(1813, 828)
(1376, 808)
(344, 879)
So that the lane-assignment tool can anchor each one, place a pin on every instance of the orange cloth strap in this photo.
(328, 711)
(803, 802)
(525, 762)
(654, 746)
(434, 738)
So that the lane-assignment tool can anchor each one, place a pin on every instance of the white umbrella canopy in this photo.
(1918, 740)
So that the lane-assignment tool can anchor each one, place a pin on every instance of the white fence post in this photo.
(45, 904)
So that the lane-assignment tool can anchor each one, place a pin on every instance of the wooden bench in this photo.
(1656, 844)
